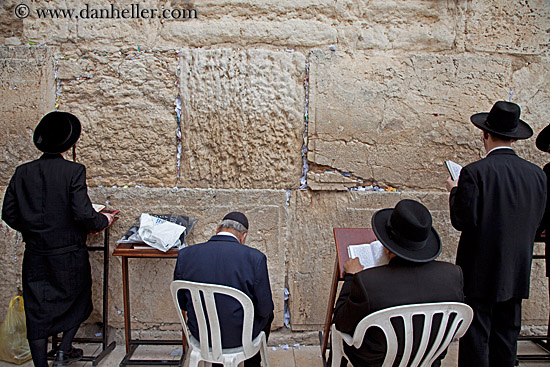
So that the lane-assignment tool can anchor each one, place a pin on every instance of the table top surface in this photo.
(128, 250)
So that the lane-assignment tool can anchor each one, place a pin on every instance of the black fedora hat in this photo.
(407, 231)
(543, 140)
(503, 121)
(57, 132)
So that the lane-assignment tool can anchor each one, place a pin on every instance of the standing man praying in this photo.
(47, 201)
(497, 203)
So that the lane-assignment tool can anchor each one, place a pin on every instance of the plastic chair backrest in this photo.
(449, 328)
(208, 291)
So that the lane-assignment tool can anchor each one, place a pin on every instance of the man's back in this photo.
(400, 282)
(497, 205)
(223, 260)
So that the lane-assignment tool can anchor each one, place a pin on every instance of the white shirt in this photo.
(227, 234)
(495, 148)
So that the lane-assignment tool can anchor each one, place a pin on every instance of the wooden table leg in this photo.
(330, 309)
(126, 296)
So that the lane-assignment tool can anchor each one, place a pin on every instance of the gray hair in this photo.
(232, 224)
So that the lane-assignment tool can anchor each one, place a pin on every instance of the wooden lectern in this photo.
(343, 237)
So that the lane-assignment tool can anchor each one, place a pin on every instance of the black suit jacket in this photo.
(498, 205)
(47, 201)
(400, 282)
(223, 260)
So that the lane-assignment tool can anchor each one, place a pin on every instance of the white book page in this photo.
(454, 169)
(98, 207)
(369, 254)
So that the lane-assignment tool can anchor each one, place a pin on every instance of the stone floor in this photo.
(279, 356)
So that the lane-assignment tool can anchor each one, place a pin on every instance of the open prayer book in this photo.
(454, 169)
(98, 207)
(369, 254)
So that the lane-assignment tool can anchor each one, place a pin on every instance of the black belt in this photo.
(53, 252)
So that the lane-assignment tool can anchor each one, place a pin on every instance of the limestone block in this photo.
(395, 119)
(387, 25)
(243, 32)
(311, 249)
(329, 180)
(11, 258)
(27, 90)
(125, 102)
(242, 118)
(531, 84)
(514, 28)
(308, 23)
(535, 309)
(151, 302)
(11, 27)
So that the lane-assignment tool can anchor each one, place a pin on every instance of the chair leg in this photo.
(194, 360)
(336, 354)
(186, 359)
(263, 354)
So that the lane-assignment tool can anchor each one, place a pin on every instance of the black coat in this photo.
(224, 261)
(400, 282)
(498, 205)
(47, 201)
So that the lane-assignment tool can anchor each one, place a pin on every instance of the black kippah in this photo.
(237, 217)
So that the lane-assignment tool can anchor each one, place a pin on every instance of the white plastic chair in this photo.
(381, 319)
(199, 350)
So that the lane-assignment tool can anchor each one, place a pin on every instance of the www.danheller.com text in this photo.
(133, 11)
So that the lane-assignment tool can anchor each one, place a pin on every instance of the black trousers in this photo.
(491, 340)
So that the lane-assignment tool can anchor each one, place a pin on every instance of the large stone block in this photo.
(397, 25)
(150, 278)
(394, 119)
(196, 24)
(11, 27)
(535, 309)
(27, 91)
(241, 118)
(504, 27)
(126, 105)
(311, 249)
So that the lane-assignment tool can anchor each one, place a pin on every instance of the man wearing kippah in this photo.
(225, 260)
(497, 203)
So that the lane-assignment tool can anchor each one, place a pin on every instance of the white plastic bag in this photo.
(159, 233)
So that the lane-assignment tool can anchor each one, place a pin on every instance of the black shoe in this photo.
(65, 358)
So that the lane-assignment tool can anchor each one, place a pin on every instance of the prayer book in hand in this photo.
(369, 254)
(454, 169)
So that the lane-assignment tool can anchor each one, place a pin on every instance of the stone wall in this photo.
(282, 110)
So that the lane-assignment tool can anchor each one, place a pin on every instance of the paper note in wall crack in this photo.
(369, 254)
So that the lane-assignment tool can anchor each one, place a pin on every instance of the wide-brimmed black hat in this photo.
(543, 140)
(57, 132)
(503, 121)
(407, 231)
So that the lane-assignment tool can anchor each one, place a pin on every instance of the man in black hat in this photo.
(497, 203)
(226, 260)
(412, 276)
(47, 201)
